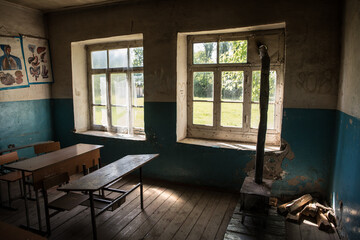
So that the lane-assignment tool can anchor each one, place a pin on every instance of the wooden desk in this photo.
(104, 177)
(70, 159)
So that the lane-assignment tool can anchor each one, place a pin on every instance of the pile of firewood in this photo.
(308, 208)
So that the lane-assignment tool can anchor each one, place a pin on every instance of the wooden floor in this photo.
(170, 212)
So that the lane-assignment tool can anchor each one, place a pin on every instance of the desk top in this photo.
(108, 174)
(45, 160)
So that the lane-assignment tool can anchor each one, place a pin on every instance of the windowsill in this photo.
(226, 144)
(114, 135)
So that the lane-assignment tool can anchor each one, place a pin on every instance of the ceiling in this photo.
(54, 5)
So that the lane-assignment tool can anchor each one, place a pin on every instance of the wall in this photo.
(346, 182)
(25, 115)
(311, 80)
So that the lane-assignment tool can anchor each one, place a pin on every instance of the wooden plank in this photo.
(9, 231)
(203, 220)
(46, 147)
(177, 222)
(191, 220)
(226, 219)
(105, 175)
(152, 220)
(216, 218)
(8, 158)
(173, 213)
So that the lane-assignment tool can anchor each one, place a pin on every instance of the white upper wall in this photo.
(349, 93)
(15, 20)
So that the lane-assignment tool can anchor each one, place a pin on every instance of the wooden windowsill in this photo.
(226, 144)
(114, 135)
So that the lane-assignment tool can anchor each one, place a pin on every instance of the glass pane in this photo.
(98, 60)
(138, 117)
(231, 114)
(119, 92)
(205, 53)
(272, 82)
(136, 57)
(255, 92)
(119, 116)
(118, 58)
(203, 113)
(138, 89)
(255, 116)
(233, 52)
(99, 89)
(100, 115)
(203, 85)
(232, 85)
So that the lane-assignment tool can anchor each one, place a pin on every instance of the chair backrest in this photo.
(58, 179)
(46, 147)
(8, 158)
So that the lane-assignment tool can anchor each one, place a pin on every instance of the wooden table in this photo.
(70, 159)
(104, 177)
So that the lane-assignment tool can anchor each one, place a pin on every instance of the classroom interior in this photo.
(318, 127)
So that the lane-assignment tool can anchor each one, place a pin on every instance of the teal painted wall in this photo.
(25, 122)
(346, 181)
(309, 132)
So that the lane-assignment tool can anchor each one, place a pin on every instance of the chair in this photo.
(46, 147)
(11, 176)
(64, 203)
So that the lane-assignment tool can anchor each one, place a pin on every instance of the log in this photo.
(323, 223)
(309, 210)
(294, 205)
(294, 217)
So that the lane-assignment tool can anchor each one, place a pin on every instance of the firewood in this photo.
(310, 210)
(293, 217)
(294, 205)
(323, 223)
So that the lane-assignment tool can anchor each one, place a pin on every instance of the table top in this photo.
(109, 173)
(48, 159)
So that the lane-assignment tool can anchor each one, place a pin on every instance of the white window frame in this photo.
(245, 134)
(108, 71)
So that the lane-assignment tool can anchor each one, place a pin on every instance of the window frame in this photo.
(108, 71)
(245, 133)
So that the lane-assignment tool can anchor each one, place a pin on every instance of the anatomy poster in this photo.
(12, 67)
(37, 58)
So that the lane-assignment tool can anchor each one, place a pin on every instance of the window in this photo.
(116, 83)
(223, 86)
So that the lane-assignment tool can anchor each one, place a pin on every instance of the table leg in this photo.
(25, 199)
(38, 209)
(141, 189)
(92, 210)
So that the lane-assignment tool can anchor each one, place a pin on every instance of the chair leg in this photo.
(9, 194)
(38, 209)
(21, 191)
(47, 215)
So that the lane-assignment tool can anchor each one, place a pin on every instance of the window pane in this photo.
(232, 85)
(255, 116)
(255, 92)
(118, 58)
(233, 52)
(100, 115)
(138, 117)
(203, 113)
(99, 89)
(205, 53)
(119, 92)
(203, 85)
(138, 89)
(231, 114)
(119, 116)
(98, 59)
(136, 57)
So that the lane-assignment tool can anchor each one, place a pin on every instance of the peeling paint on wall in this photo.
(272, 163)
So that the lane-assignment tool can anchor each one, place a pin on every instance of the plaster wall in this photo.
(311, 74)
(346, 180)
(25, 115)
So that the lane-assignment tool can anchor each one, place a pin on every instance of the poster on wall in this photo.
(37, 57)
(12, 67)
